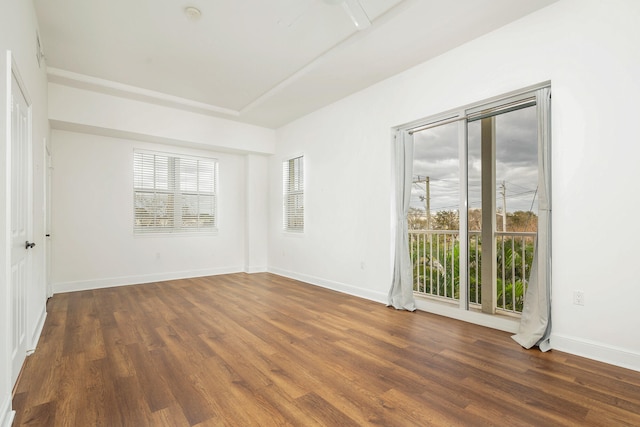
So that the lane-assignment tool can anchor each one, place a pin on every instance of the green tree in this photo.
(416, 219)
(525, 221)
(446, 220)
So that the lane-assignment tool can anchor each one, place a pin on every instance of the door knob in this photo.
(28, 245)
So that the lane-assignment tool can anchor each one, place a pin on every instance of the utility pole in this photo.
(428, 202)
(426, 198)
(503, 191)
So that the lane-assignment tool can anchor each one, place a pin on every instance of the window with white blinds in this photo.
(293, 194)
(174, 193)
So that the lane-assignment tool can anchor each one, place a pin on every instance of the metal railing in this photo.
(435, 255)
(435, 264)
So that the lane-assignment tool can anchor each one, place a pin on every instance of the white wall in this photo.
(71, 108)
(256, 218)
(589, 51)
(18, 34)
(94, 136)
(92, 216)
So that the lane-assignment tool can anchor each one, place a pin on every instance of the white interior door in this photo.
(20, 223)
(47, 221)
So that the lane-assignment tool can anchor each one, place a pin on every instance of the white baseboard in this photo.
(336, 286)
(495, 322)
(110, 282)
(35, 337)
(596, 351)
(6, 414)
(590, 350)
(584, 348)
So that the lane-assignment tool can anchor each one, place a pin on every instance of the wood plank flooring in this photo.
(262, 350)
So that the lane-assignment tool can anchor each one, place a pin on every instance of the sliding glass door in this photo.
(473, 217)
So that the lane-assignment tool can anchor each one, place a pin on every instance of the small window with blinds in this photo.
(293, 194)
(174, 193)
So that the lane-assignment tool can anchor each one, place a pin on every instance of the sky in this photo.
(436, 155)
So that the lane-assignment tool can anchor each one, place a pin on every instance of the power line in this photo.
(517, 185)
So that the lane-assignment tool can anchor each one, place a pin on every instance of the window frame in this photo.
(176, 166)
(293, 194)
(463, 116)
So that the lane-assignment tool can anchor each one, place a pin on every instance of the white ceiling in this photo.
(265, 62)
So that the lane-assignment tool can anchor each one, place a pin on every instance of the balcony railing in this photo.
(436, 266)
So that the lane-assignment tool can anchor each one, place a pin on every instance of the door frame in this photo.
(13, 72)
(47, 217)
(462, 115)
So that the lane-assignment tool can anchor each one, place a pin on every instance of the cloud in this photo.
(436, 155)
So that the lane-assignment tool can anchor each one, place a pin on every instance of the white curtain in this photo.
(535, 324)
(401, 292)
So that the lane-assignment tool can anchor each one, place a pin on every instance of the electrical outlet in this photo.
(578, 297)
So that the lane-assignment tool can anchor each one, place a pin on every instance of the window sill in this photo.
(178, 234)
(500, 321)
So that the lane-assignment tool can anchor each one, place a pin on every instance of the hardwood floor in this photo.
(262, 350)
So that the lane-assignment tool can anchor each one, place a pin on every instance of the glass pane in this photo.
(153, 210)
(206, 213)
(517, 204)
(294, 214)
(150, 171)
(293, 194)
(434, 215)
(298, 182)
(161, 178)
(197, 211)
(514, 184)
(435, 196)
(188, 175)
(517, 170)
(206, 176)
(189, 206)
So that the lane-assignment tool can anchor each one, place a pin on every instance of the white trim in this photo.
(35, 336)
(596, 351)
(46, 216)
(256, 269)
(68, 78)
(110, 282)
(289, 233)
(330, 284)
(293, 155)
(461, 113)
(6, 414)
(502, 323)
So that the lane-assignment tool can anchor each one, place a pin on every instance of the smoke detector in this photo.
(192, 13)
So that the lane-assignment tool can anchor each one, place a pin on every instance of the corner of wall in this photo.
(6, 414)
(110, 282)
